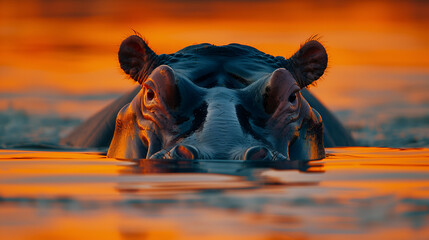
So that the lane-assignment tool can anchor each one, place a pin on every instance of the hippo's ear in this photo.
(136, 58)
(309, 63)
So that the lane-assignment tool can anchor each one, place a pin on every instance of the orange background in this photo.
(59, 57)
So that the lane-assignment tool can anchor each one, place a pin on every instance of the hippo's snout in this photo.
(183, 152)
(178, 152)
(176, 119)
(187, 152)
(264, 154)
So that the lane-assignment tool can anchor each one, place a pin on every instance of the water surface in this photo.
(354, 193)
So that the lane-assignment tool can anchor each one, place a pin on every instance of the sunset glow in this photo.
(59, 65)
(67, 48)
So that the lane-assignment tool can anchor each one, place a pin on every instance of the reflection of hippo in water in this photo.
(216, 102)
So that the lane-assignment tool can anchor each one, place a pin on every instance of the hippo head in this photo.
(219, 102)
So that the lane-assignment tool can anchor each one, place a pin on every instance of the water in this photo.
(354, 193)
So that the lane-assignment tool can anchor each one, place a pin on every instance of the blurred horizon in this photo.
(59, 58)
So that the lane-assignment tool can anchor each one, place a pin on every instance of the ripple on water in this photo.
(353, 193)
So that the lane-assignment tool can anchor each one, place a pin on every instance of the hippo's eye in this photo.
(292, 97)
(149, 94)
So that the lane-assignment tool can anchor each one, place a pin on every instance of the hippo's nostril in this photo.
(158, 155)
(184, 152)
(257, 153)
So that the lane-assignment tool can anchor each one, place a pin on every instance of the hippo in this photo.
(230, 102)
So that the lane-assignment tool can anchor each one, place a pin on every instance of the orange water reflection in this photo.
(354, 193)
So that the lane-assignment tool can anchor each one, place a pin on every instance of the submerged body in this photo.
(216, 102)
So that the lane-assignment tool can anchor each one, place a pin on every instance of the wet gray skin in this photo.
(217, 102)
